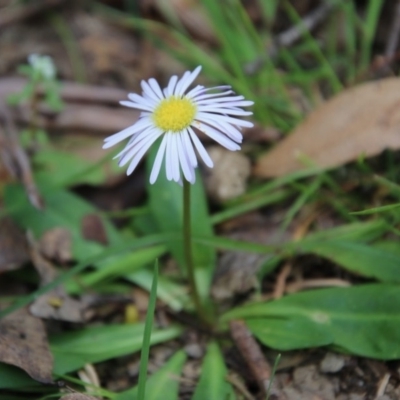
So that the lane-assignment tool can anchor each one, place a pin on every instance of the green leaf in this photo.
(62, 209)
(72, 350)
(223, 243)
(360, 231)
(361, 258)
(376, 210)
(363, 320)
(170, 292)
(118, 266)
(139, 243)
(357, 231)
(57, 167)
(289, 334)
(14, 378)
(164, 384)
(212, 384)
(166, 205)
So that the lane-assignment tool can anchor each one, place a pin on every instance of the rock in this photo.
(194, 350)
(227, 179)
(332, 363)
(307, 379)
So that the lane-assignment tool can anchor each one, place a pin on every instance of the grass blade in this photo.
(144, 356)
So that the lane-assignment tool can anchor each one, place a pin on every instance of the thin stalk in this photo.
(187, 245)
(33, 123)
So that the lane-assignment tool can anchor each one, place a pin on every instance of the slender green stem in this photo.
(187, 245)
(144, 355)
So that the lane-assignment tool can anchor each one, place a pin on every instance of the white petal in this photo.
(204, 90)
(187, 144)
(148, 91)
(186, 167)
(140, 125)
(168, 160)
(231, 104)
(219, 137)
(158, 160)
(171, 86)
(127, 154)
(200, 148)
(225, 128)
(180, 83)
(138, 106)
(156, 88)
(139, 155)
(230, 111)
(136, 141)
(209, 96)
(185, 83)
(230, 120)
(175, 159)
(195, 91)
(135, 98)
(243, 103)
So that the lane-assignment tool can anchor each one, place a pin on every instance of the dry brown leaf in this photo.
(56, 303)
(363, 120)
(13, 246)
(93, 229)
(23, 343)
(56, 244)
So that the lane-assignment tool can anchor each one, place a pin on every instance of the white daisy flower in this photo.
(176, 116)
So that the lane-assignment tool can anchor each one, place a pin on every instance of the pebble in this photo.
(332, 363)
(228, 178)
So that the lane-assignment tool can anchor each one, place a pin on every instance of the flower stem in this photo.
(187, 246)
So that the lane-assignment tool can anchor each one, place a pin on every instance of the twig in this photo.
(12, 15)
(316, 283)
(236, 382)
(69, 91)
(292, 35)
(394, 33)
(382, 385)
(89, 375)
(280, 284)
(252, 354)
(15, 158)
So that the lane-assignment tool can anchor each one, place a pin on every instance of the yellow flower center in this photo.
(174, 114)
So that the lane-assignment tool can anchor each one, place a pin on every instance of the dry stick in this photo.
(300, 232)
(382, 385)
(252, 354)
(12, 15)
(238, 384)
(292, 35)
(279, 289)
(394, 33)
(70, 91)
(316, 283)
(381, 64)
(89, 375)
(16, 160)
